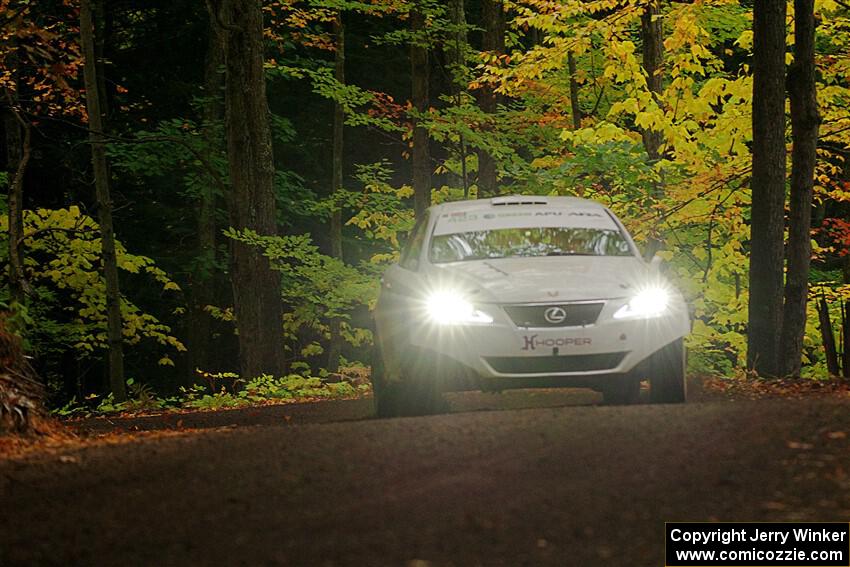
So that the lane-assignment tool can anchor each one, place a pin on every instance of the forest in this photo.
(200, 197)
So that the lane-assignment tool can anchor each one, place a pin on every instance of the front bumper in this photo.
(503, 350)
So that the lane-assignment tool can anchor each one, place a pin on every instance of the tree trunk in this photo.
(18, 150)
(18, 137)
(335, 345)
(203, 282)
(828, 337)
(845, 269)
(421, 155)
(768, 188)
(534, 36)
(845, 339)
(574, 103)
(493, 40)
(457, 49)
(102, 21)
(652, 34)
(804, 132)
(104, 205)
(252, 204)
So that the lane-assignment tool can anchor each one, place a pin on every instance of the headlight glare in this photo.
(648, 302)
(450, 307)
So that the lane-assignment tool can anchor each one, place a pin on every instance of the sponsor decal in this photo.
(513, 214)
(461, 217)
(533, 342)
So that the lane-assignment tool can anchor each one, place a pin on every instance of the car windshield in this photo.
(527, 243)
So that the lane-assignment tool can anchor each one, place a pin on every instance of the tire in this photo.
(417, 393)
(621, 390)
(667, 374)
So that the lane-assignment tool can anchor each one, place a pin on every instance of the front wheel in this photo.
(667, 374)
(417, 393)
(621, 390)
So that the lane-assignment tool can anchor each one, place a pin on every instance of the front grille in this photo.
(555, 364)
(575, 314)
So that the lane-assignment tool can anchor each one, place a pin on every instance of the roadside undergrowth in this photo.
(753, 388)
(223, 391)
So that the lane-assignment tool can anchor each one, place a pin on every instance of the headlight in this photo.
(450, 307)
(649, 302)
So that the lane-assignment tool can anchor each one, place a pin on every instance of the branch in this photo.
(41, 231)
(15, 109)
(598, 100)
(216, 178)
(718, 185)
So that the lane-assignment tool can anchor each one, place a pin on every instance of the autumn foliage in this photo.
(574, 102)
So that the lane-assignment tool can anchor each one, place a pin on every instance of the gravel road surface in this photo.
(526, 478)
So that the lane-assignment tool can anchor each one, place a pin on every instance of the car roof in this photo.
(516, 200)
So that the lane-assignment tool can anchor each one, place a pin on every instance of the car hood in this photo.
(549, 279)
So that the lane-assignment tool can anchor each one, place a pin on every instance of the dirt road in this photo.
(569, 484)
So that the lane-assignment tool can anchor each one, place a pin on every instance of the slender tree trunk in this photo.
(421, 155)
(104, 205)
(18, 150)
(203, 283)
(828, 338)
(335, 345)
(845, 269)
(493, 40)
(18, 136)
(457, 46)
(102, 21)
(804, 132)
(457, 49)
(574, 103)
(845, 339)
(652, 34)
(768, 188)
(256, 286)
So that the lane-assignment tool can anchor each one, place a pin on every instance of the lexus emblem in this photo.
(555, 315)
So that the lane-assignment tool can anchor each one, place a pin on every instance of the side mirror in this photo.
(652, 247)
(656, 262)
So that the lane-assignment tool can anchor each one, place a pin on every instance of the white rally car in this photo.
(523, 292)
